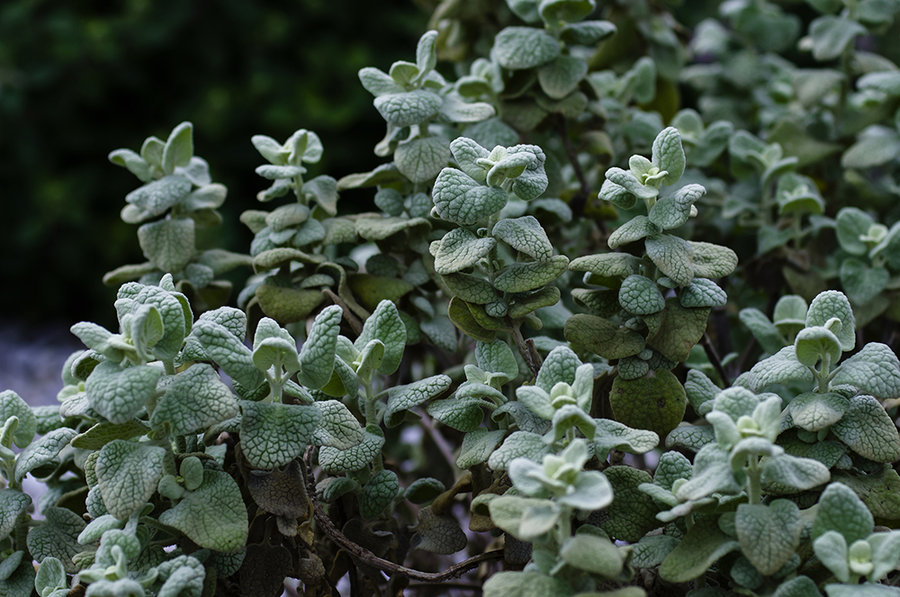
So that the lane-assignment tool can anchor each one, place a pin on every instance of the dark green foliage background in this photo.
(78, 79)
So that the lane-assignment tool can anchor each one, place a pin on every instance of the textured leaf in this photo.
(780, 368)
(496, 357)
(334, 461)
(561, 77)
(612, 435)
(471, 289)
(640, 295)
(285, 305)
(476, 447)
(603, 337)
(593, 554)
(842, 511)
(861, 282)
(337, 427)
(765, 332)
(273, 434)
(460, 199)
(317, 353)
(43, 452)
(606, 265)
(212, 516)
(815, 343)
(57, 537)
(463, 414)
(156, 197)
(851, 224)
(420, 160)
(50, 576)
(385, 324)
(702, 292)
(525, 584)
(833, 303)
(701, 547)
(873, 370)
(519, 444)
(195, 400)
(401, 398)
(655, 402)
(378, 492)
(768, 533)
(522, 277)
(634, 229)
(408, 107)
(672, 256)
(438, 533)
(879, 491)
(228, 352)
(633, 513)
(712, 261)
(518, 48)
(459, 250)
(712, 473)
(183, 575)
(128, 473)
(678, 330)
(12, 503)
(813, 411)
(12, 405)
(868, 430)
(674, 210)
(784, 474)
(524, 234)
(668, 154)
(168, 244)
(120, 394)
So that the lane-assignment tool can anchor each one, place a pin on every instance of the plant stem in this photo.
(754, 489)
(713, 356)
(528, 354)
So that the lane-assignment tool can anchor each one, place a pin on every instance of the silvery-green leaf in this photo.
(156, 197)
(673, 257)
(56, 537)
(712, 473)
(179, 148)
(533, 181)
(633, 513)
(522, 277)
(457, 109)
(651, 550)
(885, 553)
(785, 474)
(561, 77)
(831, 35)
(120, 394)
(374, 227)
(780, 368)
(861, 282)
(168, 244)
(640, 295)
(426, 56)
(868, 430)
(404, 397)
(459, 250)
(841, 510)
(668, 154)
(520, 444)
(43, 453)
(700, 548)
(133, 162)
(128, 473)
(194, 400)
(700, 390)
(287, 216)
(536, 400)
(833, 303)
(477, 446)
(12, 405)
(213, 515)
(228, 352)
(587, 33)
(525, 584)
(831, 549)
(851, 224)
(560, 365)
(50, 576)
(273, 434)
(702, 292)
(337, 426)
(385, 324)
(335, 461)
(408, 107)
(606, 265)
(626, 179)
(768, 533)
(690, 437)
(799, 586)
(593, 554)
(317, 353)
(612, 435)
(671, 467)
(678, 330)
(674, 210)
(496, 357)
(518, 48)
(524, 234)
(873, 370)
(421, 159)
(814, 411)
(273, 346)
(12, 503)
(377, 82)
(617, 194)
(524, 518)
(441, 332)
(378, 492)
(603, 337)
(182, 576)
(463, 414)
(815, 343)
(712, 261)
(765, 332)
(438, 533)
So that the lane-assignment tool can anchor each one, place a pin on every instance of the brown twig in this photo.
(358, 552)
(354, 321)
(714, 359)
(438, 438)
(526, 349)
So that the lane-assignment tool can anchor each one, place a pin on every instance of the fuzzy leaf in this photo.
(12, 503)
(768, 533)
(606, 265)
(195, 400)
(833, 303)
(701, 547)
(868, 430)
(633, 513)
(520, 444)
(786, 474)
(378, 492)
(593, 554)
(228, 352)
(337, 427)
(780, 368)
(56, 537)
(612, 435)
(842, 511)
(523, 277)
(401, 398)
(640, 295)
(672, 256)
(460, 199)
(678, 330)
(408, 107)
(317, 353)
(526, 235)
(702, 292)
(477, 446)
(420, 160)
(525, 584)
(603, 337)
(668, 154)
(335, 461)
(120, 394)
(154, 198)
(874, 370)
(519, 48)
(813, 411)
(43, 452)
(674, 210)
(634, 229)
(128, 473)
(213, 515)
(561, 77)
(273, 434)
(168, 244)
(12, 405)
(385, 325)
(459, 250)
(496, 357)
(712, 261)
(463, 414)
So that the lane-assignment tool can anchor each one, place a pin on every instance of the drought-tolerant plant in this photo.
(535, 365)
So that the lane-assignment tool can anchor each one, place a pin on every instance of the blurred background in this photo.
(79, 79)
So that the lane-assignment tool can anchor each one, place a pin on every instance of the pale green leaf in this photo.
(120, 394)
(228, 352)
(640, 295)
(12, 503)
(168, 244)
(785, 474)
(128, 474)
(868, 430)
(459, 250)
(703, 292)
(873, 370)
(668, 154)
(12, 405)
(193, 401)
(768, 533)
(57, 537)
(477, 446)
(814, 411)
(712, 261)
(525, 584)
(213, 515)
(519, 444)
(524, 234)
(179, 147)
(408, 107)
(154, 198)
(401, 398)
(43, 453)
(633, 513)
(674, 210)
(523, 277)
(593, 554)
(833, 303)
(700, 548)
(385, 325)
(421, 159)
(841, 510)
(673, 257)
(273, 434)
(335, 461)
(780, 368)
(518, 48)
(634, 229)
(337, 427)
(561, 77)
(438, 533)
(603, 337)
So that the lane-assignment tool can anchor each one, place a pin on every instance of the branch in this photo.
(367, 557)
(354, 322)
(526, 349)
(714, 359)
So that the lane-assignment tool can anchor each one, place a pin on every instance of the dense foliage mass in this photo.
(620, 322)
